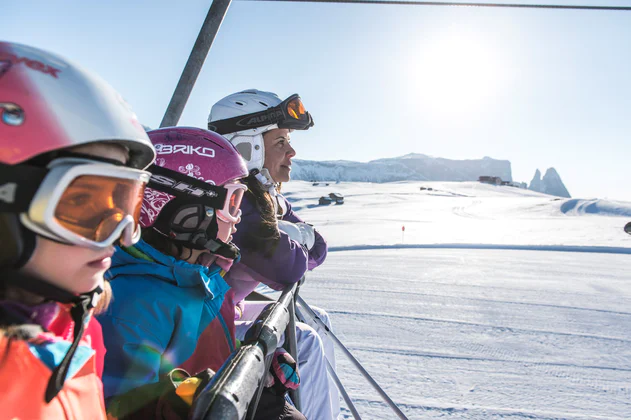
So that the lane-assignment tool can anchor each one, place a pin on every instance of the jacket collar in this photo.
(167, 268)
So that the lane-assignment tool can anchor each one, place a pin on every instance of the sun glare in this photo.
(457, 73)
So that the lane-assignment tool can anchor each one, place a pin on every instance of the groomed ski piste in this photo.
(497, 303)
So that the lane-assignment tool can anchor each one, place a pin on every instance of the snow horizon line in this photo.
(506, 247)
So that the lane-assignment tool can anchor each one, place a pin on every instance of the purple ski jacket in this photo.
(286, 266)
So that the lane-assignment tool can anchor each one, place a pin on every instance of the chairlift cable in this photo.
(456, 4)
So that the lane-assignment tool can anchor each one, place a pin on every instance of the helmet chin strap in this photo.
(18, 243)
(268, 183)
(218, 247)
(264, 178)
(82, 306)
(172, 223)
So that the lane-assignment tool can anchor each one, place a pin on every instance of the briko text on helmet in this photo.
(170, 149)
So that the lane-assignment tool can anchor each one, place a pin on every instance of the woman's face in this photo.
(278, 154)
(74, 268)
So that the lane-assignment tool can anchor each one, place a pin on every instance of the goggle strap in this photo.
(247, 122)
(183, 186)
(18, 185)
(91, 158)
(275, 115)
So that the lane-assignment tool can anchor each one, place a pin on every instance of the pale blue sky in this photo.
(540, 88)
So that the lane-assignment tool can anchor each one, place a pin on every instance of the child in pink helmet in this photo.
(71, 181)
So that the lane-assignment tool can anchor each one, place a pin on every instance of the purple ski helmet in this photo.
(194, 181)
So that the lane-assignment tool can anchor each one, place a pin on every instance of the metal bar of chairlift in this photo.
(207, 33)
(352, 358)
(233, 392)
(291, 345)
(340, 387)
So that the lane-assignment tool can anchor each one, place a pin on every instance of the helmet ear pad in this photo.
(17, 243)
(186, 221)
(251, 147)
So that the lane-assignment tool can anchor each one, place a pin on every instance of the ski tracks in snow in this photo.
(450, 333)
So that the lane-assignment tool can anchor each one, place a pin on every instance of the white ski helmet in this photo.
(263, 111)
(249, 143)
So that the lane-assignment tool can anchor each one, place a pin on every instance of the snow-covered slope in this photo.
(482, 334)
(458, 212)
(409, 167)
(504, 331)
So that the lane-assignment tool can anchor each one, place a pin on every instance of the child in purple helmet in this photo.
(169, 286)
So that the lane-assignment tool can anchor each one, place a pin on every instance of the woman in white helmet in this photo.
(277, 246)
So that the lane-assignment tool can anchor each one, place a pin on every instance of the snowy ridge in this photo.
(550, 184)
(412, 166)
(578, 207)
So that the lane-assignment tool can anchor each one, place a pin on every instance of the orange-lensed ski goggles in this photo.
(290, 114)
(74, 200)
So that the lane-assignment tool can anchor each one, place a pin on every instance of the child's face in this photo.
(74, 268)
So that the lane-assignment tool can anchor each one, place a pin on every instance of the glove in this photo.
(239, 308)
(300, 232)
(283, 374)
(170, 398)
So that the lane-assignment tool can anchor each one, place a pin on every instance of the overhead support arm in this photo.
(210, 27)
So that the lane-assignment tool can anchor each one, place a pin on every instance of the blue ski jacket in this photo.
(160, 307)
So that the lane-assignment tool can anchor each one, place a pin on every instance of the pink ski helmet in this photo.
(49, 103)
(47, 106)
(193, 182)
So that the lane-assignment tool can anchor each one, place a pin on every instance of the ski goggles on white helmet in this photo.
(75, 200)
(225, 199)
(289, 114)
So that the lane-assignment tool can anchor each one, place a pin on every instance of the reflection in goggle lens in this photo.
(93, 206)
(295, 108)
(235, 202)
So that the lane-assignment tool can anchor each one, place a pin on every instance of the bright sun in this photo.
(457, 73)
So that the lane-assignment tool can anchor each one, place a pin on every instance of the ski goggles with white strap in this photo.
(231, 211)
(75, 200)
(225, 199)
(289, 114)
